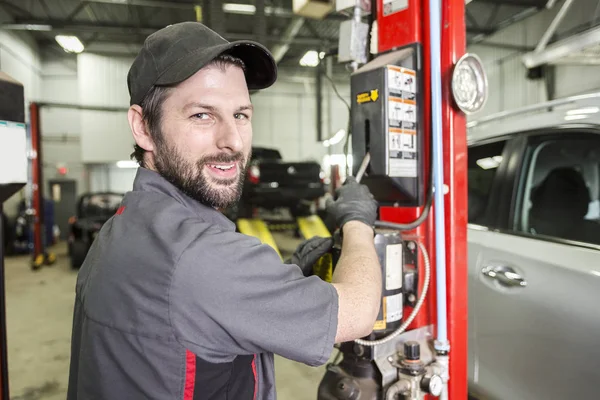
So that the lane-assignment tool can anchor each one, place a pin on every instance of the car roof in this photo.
(583, 110)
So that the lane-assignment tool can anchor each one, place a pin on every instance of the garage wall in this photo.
(509, 86)
(61, 128)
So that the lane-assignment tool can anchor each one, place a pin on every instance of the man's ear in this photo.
(140, 132)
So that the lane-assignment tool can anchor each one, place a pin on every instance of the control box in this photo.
(387, 122)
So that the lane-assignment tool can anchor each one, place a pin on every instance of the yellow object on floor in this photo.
(258, 229)
(312, 226)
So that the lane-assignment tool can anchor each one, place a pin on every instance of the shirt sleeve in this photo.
(232, 295)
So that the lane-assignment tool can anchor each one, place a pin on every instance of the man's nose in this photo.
(229, 136)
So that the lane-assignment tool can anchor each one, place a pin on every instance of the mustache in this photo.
(222, 158)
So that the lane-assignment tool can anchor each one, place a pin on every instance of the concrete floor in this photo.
(39, 312)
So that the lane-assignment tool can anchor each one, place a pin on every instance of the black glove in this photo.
(309, 251)
(354, 203)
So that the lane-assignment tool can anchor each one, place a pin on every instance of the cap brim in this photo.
(260, 71)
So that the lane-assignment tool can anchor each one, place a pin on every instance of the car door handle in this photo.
(505, 276)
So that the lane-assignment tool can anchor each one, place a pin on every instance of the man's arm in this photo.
(357, 276)
(357, 279)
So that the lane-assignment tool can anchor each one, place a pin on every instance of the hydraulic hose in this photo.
(414, 312)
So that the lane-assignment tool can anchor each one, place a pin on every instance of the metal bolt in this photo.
(412, 298)
(411, 245)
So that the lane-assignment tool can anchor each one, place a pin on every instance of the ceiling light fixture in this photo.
(127, 164)
(71, 44)
(234, 8)
(310, 59)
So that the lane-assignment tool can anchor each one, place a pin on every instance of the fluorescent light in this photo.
(489, 162)
(127, 164)
(322, 55)
(584, 110)
(335, 139)
(310, 59)
(575, 117)
(28, 27)
(234, 8)
(71, 44)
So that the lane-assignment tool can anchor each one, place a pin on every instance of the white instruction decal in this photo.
(393, 267)
(394, 307)
(402, 122)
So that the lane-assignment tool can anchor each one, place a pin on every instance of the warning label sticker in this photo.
(393, 267)
(394, 307)
(381, 323)
(402, 122)
(367, 97)
(393, 6)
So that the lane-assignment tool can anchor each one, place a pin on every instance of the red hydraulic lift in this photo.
(409, 106)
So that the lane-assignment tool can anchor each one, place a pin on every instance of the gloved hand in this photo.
(309, 251)
(354, 203)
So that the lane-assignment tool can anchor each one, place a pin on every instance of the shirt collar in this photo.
(150, 181)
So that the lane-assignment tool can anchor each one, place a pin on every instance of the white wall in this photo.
(508, 84)
(285, 118)
(105, 135)
(61, 141)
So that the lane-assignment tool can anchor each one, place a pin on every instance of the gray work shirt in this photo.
(173, 303)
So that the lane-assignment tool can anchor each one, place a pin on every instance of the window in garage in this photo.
(560, 196)
(483, 162)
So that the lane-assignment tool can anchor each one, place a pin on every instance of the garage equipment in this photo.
(408, 124)
(13, 177)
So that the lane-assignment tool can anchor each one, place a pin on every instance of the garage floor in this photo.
(39, 312)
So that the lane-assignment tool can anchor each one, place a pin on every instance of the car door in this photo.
(535, 280)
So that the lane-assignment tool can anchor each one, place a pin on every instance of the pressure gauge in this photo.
(469, 84)
(433, 385)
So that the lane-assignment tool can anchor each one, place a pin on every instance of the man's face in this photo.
(206, 136)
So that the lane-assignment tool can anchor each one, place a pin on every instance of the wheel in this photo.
(78, 253)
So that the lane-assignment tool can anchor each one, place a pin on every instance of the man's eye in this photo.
(202, 116)
(241, 116)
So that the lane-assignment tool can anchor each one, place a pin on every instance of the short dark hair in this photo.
(152, 104)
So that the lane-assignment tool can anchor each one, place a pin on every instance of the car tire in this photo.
(79, 251)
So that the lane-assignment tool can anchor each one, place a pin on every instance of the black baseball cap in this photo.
(175, 53)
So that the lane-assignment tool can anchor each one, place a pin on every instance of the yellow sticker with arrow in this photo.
(367, 97)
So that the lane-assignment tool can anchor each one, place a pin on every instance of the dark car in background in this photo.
(272, 183)
(93, 210)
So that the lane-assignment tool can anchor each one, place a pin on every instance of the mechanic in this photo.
(173, 303)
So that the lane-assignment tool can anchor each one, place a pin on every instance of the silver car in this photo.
(534, 252)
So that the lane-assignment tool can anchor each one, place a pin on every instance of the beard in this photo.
(190, 178)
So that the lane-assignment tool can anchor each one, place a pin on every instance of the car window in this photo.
(560, 189)
(484, 161)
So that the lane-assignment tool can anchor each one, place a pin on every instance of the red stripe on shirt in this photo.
(120, 210)
(190, 375)
(255, 377)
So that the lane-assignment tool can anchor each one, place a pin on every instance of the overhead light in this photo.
(71, 44)
(127, 164)
(575, 117)
(234, 8)
(322, 55)
(27, 27)
(489, 162)
(335, 139)
(310, 59)
(584, 110)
